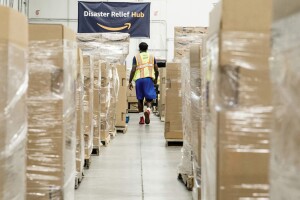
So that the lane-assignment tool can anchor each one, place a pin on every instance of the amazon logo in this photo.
(126, 26)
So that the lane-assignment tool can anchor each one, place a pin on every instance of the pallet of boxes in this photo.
(184, 37)
(121, 107)
(188, 41)
(114, 90)
(162, 93)
(104, 53)
(88, 106)
(51, 106)
(13, 111)
(235, 142)
(80, 120)
(97, 106)
(173, 117)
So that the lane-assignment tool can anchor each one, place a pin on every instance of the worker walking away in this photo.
(145, 73)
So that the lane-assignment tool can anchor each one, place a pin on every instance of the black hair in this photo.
(143, 46)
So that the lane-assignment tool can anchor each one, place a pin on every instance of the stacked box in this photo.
(235, 154)
(121, 107)
(191, 113)
(109, 49)
(13, 114)
(105, 99)
(162, 92)
(97, 104)
(79, 114)
(285, 143)
(88, 103)
(195, 100)
(114, 90)
(173, 118)
(51, 112)
(184, 37)
(196, 112)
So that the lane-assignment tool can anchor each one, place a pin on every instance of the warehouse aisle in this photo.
(135, 166)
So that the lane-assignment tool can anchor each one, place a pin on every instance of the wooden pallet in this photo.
(121, 129)
(106, 141)
(113, 133)
(133, 107)
(87, 163)
(96, 151)
(187, 180)
(78, 178)
(174, 142)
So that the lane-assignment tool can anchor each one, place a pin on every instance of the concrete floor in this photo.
(135, 166)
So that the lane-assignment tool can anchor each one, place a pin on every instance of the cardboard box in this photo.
(54, 32)
(184, 38)
(121, 106)
(231, 15)
(195, 104)
(14, 27)
(51, 130)
(173, 135)
(241, 153)
(234, 145)
(104, 135)
(96, 138)
(239, 84)
(42, 32)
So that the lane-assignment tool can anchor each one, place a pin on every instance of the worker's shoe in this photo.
(142, 121)
(147, 116)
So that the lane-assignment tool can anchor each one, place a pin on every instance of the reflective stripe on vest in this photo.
(144, 66)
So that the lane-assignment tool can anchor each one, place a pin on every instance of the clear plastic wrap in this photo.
(173, 118)
(238, 125)
(13, 120)
(184, 38)
(51, 120)
(88, 102)
(191, 109)
(195, 100)
(97, 103)
(285, 140)
(185, 166)
(197, 180)
(113, 47)
(110, 49)
(121, 105)
(114, 90)
(79, 116)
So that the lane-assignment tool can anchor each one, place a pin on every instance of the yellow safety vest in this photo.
(144, 66)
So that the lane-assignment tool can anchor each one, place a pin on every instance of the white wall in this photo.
(165, 14)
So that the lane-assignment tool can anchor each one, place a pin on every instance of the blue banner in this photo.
(99, 17)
